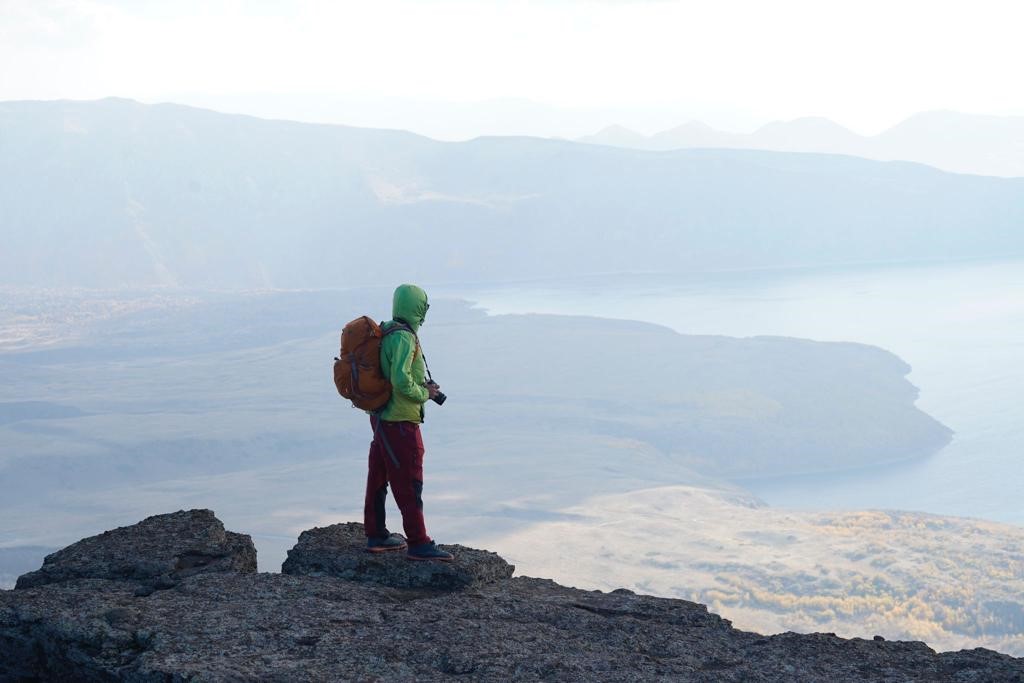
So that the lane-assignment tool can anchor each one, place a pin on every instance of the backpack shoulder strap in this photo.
(398, 326)
(404, 326)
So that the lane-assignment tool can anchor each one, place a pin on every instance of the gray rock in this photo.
(157, 552)
(339, 550)
(241, 626)
(275, 627)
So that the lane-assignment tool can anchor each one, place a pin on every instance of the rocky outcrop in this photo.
(239, 626)
(339, 550)
(156, 553)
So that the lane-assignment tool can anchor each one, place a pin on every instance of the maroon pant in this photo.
(401, 465)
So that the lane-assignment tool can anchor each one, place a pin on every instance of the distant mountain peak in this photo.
(617, 136)
(691, 125)
(616, 129)
(806, 123)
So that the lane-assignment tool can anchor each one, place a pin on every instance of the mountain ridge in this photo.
(186, 197)
(978, 144)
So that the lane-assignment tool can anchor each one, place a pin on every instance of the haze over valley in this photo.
(224, 400)
(174, 281)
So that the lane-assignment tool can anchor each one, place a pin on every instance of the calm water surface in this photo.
(961, 328)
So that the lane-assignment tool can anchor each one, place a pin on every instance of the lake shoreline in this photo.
(955, 324)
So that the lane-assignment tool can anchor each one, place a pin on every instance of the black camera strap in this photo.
(426, 365)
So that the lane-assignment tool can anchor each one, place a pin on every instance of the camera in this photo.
(439, 398)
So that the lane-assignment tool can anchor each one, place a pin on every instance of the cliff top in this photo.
(175, 597)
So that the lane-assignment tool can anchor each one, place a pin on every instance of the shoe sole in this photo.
(377, 551)
(429, 559)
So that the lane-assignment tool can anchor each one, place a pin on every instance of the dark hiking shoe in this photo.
(428, 551)
(385, 544)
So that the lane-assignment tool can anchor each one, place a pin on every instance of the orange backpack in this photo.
(357, 373)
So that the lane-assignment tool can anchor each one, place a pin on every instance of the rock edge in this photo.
(218, 620)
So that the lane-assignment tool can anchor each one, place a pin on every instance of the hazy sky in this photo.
(581, 64)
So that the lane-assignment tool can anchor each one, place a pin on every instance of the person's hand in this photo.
(432, 389)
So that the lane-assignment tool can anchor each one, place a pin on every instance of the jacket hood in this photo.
(410, 305)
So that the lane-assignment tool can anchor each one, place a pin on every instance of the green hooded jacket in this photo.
(401, 361)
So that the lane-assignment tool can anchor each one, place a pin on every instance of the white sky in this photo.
(580, 64)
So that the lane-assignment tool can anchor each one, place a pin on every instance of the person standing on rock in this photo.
(396, 452)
